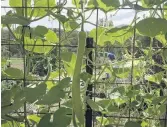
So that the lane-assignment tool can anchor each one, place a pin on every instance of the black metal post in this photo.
(89, 69)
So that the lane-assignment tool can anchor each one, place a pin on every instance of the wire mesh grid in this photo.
(59, 46)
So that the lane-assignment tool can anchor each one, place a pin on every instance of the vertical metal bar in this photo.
(59, 43)
(89, 69)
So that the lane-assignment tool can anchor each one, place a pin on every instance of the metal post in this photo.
(89, 69)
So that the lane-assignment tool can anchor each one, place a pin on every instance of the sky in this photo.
(122, 17)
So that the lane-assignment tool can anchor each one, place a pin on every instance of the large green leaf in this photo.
(38, 46)
(120, 34)
(38, 12)
(54, 95)
(14, 73)
(45, 121)
(108, 5)
(64, 83)
(66, 56)
(92, 3)
(61, 117)
(14, 19)
(70, 25)
(40, 31)
(132, 124)
(18, 100)
(94, 106)
(152, 26)
(32, 94)
(51, 36)
(101, 36)
(6, 98)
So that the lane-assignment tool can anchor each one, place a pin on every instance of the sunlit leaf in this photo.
(38, 12)
(108, 5)
(70, 25)
(104, 121)
(157, 78)
(34, 118)
(37, 46)
(51, 36)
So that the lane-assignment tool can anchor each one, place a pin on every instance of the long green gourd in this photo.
(76, 98)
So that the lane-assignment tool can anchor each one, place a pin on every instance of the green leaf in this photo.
(157, 78)
(132, 124)
(70, 25)
(59, 17)
(151, 3)
(54, 95)
(15, 3)
(14, 19)
(3, 62)
(85, 76)
(120, 35)
(60, 117)
(158, 100)
(18, 101)
(92, 3)
(66, 56)
(6, 98)
(64, 83)
(38, 46)
(94, 105)
(104, 103)
(45, 121)
(39, 12)
(152, 26)
(14, 73)
(40, 31)
(32, 94)
(51, 36)
(104, 121)
(101, 36)
(121, 72)
(34, 118)
(108, 5)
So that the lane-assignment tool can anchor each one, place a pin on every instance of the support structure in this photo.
(89, 69)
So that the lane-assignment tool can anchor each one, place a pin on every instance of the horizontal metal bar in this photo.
(85, 8)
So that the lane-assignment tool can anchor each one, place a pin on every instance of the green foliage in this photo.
(46, 94)
(132, 124)
(152, 26)
(14, 19)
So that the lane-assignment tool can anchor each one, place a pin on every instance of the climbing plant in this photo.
(59, 96)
